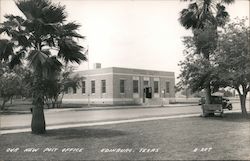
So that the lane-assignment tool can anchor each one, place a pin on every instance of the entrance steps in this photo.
(156, 101)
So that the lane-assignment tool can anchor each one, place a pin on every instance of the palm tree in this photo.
(46, 40)
(203, 12)
(204, 17)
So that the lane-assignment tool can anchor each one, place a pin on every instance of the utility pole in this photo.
(249, 100)
(88, 80)
(162, 98)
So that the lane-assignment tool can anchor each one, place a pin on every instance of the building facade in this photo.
(117, 86)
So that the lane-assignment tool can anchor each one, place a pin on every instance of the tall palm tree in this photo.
(204, 17)
(202, 12)
(46, 40)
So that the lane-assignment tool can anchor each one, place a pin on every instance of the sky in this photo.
(144, 34)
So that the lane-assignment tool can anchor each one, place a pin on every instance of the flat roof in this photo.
(121, 70)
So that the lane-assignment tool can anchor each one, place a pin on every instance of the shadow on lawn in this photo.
(231, 117)
(84, 133)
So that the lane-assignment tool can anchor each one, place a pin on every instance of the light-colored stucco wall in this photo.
(113, 76)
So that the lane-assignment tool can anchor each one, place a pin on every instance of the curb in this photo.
(130, 107)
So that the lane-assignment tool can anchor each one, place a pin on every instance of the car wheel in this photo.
(230, 107)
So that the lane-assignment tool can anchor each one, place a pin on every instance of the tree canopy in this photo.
(233, 58)
(13, 82)
(202, 13)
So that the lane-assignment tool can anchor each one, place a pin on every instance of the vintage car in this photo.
(226, 104)
(218, 104)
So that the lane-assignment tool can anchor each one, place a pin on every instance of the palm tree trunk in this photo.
(38, 120)
(208, 87)
(38, 125)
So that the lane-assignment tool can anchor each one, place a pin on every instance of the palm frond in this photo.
(188, 18)
(50, 41)
(70, 51)
(43, 10)
(71, 26)
(17, 19)
(222, 15)
(228, 1)
(69, 30)
(36, 58)
(54, 13)
(16, 59)
(203, 12)
(13, 23)
(20, 37)
(52, 66)
(28, 8)
(46, 52)
(6, 49)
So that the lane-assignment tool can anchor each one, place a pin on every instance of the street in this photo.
(82, 116)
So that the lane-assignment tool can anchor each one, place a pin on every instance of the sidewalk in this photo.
(118, 107)
(85, 108)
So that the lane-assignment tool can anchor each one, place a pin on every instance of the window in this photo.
(135, 86)
(83, 87)
(92, 86)
(74, 90)
(156, 87)
(103, 86)
(167, 87)
(66, 90)
(145, 83)
(122, 86)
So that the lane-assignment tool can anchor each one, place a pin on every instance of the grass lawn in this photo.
(226, 138)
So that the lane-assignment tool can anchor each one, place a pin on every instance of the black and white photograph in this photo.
(124, 80)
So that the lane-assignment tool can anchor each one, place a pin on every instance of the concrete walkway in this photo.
(118, 107)
(85, 108)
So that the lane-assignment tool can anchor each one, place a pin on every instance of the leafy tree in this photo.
(9, 84)
(12, 82)
(58, 85)
(233, 59)
(204, 17)
(46, 40)
(69, 80)
(226, 93)
(196, 72)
